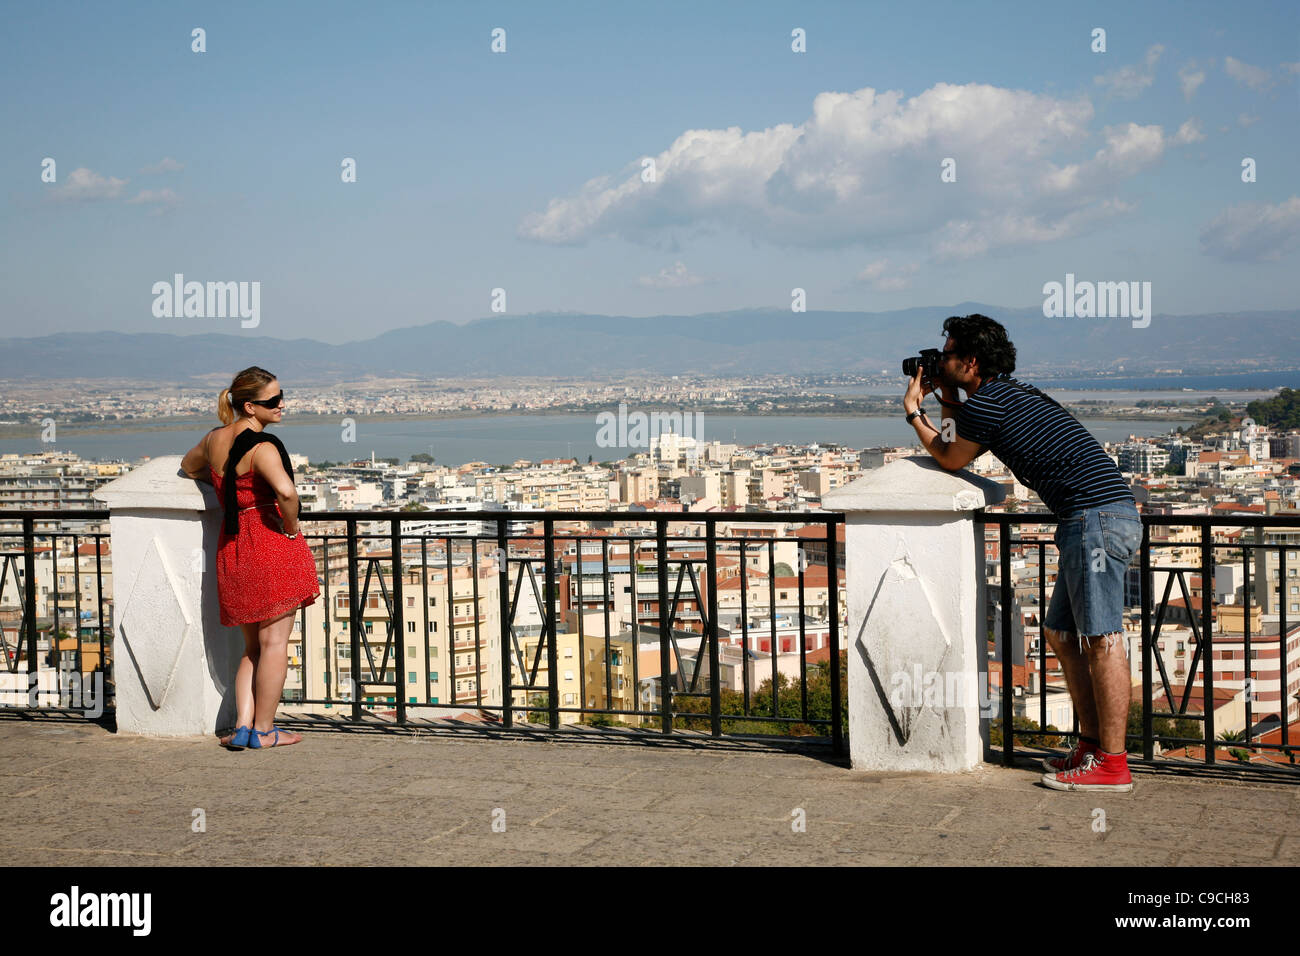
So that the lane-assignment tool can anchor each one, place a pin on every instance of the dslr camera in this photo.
(928, 361)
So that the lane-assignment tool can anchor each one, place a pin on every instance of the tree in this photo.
(1282, 410)
(542, 714)
(1024, 726)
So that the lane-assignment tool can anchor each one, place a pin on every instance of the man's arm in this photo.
(950, 451)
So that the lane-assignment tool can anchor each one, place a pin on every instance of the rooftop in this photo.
(78, 794)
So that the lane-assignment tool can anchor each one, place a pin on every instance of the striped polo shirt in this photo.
(1044, 445)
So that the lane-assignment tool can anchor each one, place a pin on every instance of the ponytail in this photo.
(224, 411)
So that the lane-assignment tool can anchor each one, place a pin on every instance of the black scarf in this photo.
(244, 441)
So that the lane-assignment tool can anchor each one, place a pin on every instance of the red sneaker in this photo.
(1070, 760)
(1097, 771)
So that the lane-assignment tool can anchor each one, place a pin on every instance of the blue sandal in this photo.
(241, 739)
(255, 741)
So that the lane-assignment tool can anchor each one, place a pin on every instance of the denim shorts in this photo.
(1096, 546)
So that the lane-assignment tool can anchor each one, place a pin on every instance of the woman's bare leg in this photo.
(244, 678)
(272, 668)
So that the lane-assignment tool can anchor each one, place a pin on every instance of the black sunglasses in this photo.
(269, 402)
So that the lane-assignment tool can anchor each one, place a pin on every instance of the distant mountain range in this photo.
(747, 341)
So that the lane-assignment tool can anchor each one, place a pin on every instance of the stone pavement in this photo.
(76, 794)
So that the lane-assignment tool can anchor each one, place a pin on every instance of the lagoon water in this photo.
(502, 439)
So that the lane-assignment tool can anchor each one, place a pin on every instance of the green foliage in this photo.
(692, 713)
(542, 714)
(1164, 731)
(1047, 736)
(424, 457)
(1282, 410)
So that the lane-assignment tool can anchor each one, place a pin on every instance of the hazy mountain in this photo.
(741, 342)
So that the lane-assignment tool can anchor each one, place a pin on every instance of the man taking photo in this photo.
(1098, 528)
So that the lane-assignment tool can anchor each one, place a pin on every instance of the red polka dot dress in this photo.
(261, 574)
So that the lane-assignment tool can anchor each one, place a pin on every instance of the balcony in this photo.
(696, 704)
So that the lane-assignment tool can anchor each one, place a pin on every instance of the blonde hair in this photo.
(243, 389)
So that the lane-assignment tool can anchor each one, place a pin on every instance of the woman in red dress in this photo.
(265, 570)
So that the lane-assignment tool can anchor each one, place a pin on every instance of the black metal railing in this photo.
(681, 614)
(55, 642)
(1152, 613)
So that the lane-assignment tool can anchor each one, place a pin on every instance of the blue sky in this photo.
(522, 170)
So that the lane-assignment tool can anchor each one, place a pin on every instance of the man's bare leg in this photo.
(1112, 686)
(1078, 679)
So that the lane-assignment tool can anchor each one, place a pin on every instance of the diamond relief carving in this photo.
(155, 624)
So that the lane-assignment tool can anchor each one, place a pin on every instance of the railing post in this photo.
(29, 596)
(507, 680)
(1207, 622)
(665, 661)
(833, 606)
(1148, 657)
(917, 647)
(354, 622)
(711, 580)
(548, 598)
(1007, 598)
(399, 631)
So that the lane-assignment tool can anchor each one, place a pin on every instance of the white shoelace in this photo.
(1089, 761)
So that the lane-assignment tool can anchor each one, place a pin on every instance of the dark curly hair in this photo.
(985, 339)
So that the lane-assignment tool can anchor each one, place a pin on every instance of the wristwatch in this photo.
(916, 414)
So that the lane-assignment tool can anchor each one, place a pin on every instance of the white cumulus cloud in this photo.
(1129, 81)
(1247, 75)
(676, 276)
(1189, 132)
(865, 168)
(160, 199)
(885, 277)
(164, 165)
(1254, 232)
(1190, 79)
(83, 185)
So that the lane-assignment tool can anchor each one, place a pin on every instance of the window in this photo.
(783, 595)
(433, 651)
(370, 627)
(297, 625)
(568, 651)
(435, 700)
(410, 627)
(568, 675)
(433, 602)
(410, 602)
(410, 650)
(411, 700)
(373, 601)
(568, 699)
(433, 677)
(410, 679)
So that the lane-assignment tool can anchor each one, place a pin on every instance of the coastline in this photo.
(16, 432)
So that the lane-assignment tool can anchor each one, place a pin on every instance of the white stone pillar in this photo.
(173, 662)
(914, 569)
